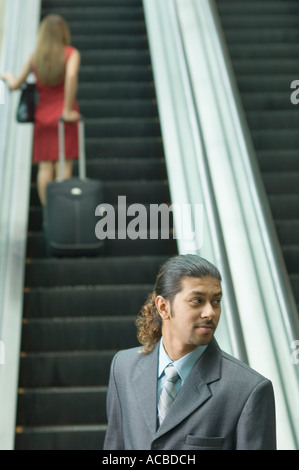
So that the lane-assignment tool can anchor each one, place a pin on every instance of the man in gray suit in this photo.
(180, 391)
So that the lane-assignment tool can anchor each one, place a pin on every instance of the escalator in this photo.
(262, 39)
(79, 312)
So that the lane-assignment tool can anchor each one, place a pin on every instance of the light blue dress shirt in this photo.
(183, 366)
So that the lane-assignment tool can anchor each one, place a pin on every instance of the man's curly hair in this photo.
(168, 285)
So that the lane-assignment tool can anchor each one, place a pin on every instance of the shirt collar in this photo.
(183, 365)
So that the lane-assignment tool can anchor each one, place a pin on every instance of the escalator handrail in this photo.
(183, 148)
(271, 243)
(21, 23)
(232, 313)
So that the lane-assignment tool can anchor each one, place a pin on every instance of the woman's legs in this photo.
(44, 176)
(47, 172)
(68, 169)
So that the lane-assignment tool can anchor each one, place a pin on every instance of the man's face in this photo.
(192, 319)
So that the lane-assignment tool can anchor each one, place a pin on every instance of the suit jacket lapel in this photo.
(145, 386)
(195, 391)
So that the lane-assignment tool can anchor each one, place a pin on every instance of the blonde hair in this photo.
(49, 57)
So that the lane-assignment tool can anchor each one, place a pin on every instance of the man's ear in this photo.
(163, 307)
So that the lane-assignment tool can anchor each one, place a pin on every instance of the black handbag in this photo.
(27, 104)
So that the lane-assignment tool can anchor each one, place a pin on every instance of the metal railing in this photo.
(188, 171)
(210, 160)
(21, 20)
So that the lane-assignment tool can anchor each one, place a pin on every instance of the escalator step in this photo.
(281, 182)
(65, 369)
(124, 147)
(110, 270)
(76, 406)
(258, 100)
(78, 312)
(260, 21)
(262, 39)
(106, 27)
(98, 12)
(115, 57)
(104, 42)
(116, 73)
(116, 91)
(119, 108)
(74, 437)
(278, 160)
(264, 66)
(78, 301)
(73, 334)
(287, 231)
(113, 247)
(267, 51)
(122, 127)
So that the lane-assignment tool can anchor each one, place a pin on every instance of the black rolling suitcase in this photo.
(69, 216)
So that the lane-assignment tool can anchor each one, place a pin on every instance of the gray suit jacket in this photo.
(223, 404)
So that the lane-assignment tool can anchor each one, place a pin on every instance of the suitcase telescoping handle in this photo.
(82, 156)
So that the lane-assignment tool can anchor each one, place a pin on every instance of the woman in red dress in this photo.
(55, 64)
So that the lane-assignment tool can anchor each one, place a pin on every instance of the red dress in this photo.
(47, 113)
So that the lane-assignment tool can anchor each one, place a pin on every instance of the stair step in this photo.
(84, 437)
(275, 139)
(291, 256)
(280, 119)
(262, 39)
(284, 207)
(54, 4)
(122, 127)
(288, 231)
(268, 100)
(62, 407)
(94, 271)
(97, 300)
(106, 27)
(227, 7)
(79, 334)
(115, 91)
(278, 160)
(117, 73)
(266, 35)
(120, 108)
(263, 20)
(133, 147)
(128, 247)
(294, 278)
(78, 312)
(104, 42)
(65, 369)
(282, 183)
(115, 57)
(265, 66)
(268, 83)
(108, 169)
(268, 51)
(98, 12)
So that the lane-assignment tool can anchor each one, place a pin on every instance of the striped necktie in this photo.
(168, 393)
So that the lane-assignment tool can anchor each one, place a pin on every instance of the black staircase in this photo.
(263, 42)
(79, 312)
